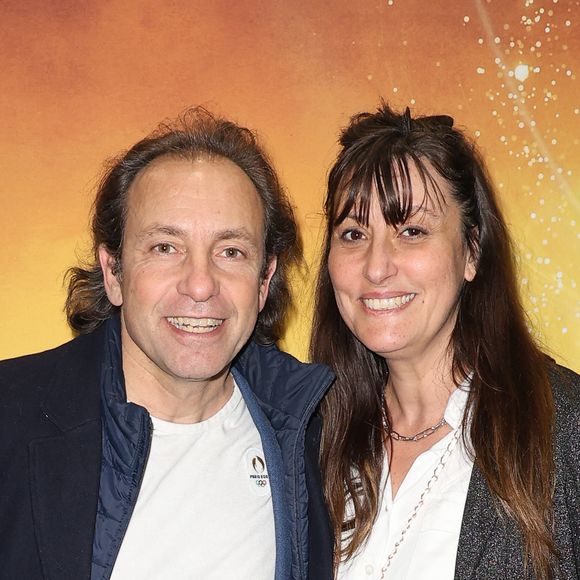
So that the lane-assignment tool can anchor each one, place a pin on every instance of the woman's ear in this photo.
(472, 258)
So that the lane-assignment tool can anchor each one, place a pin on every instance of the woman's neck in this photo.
(416, 395)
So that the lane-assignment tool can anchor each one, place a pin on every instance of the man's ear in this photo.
(110, 268)
(265, 282)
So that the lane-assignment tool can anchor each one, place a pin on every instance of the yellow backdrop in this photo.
(83, 80)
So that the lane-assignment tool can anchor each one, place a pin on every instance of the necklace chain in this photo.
(436, 473)
(418, 436)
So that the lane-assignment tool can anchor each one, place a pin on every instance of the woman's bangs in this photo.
(353, 197)
(395, 190)
(389, 178)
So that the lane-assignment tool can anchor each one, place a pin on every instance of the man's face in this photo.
(191, 287)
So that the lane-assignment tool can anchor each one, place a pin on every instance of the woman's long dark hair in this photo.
(510, 399)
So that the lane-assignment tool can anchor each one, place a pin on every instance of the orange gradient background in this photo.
(81, 81)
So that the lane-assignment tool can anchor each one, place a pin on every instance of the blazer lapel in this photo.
(479, 519)
(65, 487)
(65, 468)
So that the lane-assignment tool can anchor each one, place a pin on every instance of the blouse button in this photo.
(369, 569)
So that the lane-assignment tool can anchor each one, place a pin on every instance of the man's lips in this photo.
(195, 325)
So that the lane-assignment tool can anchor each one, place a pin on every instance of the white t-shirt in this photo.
(429, 549)
(204, 509)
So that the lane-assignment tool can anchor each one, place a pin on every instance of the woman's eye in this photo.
(412, 232)
(164, 248)
(352, 235)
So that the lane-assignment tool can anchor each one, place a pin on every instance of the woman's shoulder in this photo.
(566, 390)
(565, 386)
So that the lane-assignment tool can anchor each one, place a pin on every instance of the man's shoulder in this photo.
(269, 362)
(37, 363)
(32, 360)
(54, 389)
(29, 374)
(280, 380)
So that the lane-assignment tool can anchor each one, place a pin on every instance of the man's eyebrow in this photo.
(157, 229)
(241, 234)
(228, 234)
(236, 234)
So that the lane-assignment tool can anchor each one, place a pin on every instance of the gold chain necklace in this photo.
(421, 502)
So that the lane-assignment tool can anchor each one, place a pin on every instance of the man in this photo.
(169, 440)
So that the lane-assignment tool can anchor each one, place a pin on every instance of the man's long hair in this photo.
(510, 400)
(196, 134)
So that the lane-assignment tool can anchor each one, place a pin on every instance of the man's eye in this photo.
(164, 248)
(232, 253)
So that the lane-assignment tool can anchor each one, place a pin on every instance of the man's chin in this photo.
(200, 373)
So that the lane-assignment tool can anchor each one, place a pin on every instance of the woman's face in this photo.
(397, 287)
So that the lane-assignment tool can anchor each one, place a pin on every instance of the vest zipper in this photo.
(135, 495)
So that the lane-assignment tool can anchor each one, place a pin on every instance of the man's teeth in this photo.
(195, 325)
(387, 303)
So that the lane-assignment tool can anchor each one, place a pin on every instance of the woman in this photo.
(450, 444)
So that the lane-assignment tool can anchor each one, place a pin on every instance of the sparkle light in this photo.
(522, 72)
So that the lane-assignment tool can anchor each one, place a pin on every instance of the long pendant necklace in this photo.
(436, 473)
(418, 436)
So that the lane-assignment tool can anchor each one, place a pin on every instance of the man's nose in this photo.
(198, 278)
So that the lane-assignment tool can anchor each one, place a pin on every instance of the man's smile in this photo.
(195, 325)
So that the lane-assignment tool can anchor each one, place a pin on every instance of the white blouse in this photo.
(429, 548)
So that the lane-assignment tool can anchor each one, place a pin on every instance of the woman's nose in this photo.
(380, 261)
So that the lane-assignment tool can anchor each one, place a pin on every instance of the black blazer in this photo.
(49, 470)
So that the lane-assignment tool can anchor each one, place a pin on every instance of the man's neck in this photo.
(176, 400)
